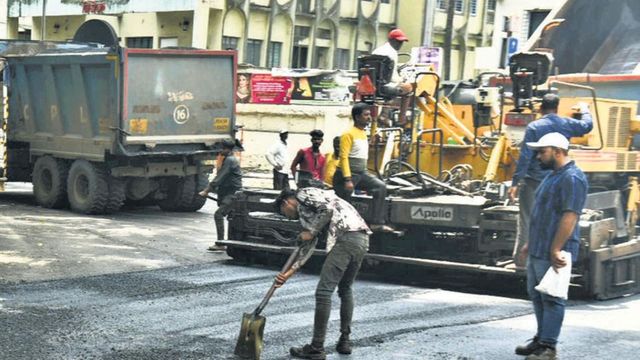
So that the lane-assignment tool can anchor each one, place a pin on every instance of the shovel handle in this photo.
(272, 289)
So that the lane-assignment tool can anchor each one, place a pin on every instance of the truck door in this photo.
(184, 97)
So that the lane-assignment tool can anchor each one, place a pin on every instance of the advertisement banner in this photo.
(321, 87)
(428, 56)
(267, 89)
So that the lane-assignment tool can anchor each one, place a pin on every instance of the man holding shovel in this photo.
(347, 243)
(228, 180)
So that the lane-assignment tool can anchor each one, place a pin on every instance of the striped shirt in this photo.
(562, 190)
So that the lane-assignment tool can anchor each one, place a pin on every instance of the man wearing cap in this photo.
(396, 39)
(554, 227)
(311, 162)
(228, 180)
(278, 157)
(529, 174)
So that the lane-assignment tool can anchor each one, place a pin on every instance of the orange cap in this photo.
(398, 35)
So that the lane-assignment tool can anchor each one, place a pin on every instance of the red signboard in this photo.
(93, 7)
(267, 89)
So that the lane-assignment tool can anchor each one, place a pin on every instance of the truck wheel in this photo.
(50, 182)
(197, 202)
(117, 194)
(87, 188)
(180, 193)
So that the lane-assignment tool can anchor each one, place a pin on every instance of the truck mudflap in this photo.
(615, 270)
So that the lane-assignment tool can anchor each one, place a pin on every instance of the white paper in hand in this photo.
(557, 284)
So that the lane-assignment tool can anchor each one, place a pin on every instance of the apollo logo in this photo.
(432, 213)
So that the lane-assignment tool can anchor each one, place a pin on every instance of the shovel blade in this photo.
(249, 345)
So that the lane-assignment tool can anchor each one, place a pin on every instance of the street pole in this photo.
(44, 20)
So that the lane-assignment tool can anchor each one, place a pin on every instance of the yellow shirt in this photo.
(353, 144)
(330, 165)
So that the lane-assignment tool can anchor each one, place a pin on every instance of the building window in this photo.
(229, 43)
(491, 11)
(303, 6)
(442, 4)
(535, 19)
(301, 32)
(254, 47)
(342, 59)
(273, 57)
(324, 34)
(299, 58)
(145, 42)
(459, 4)
(321, 58)
(24, 35)
(473, 7)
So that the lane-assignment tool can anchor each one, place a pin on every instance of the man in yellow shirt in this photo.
(352, 171)
(331, 162)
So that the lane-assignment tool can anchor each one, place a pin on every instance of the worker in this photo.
(311, 162)
(352, 172)
(347, 243)
(528, 174)
(228, 180)
(554, 228)
(331, 162)
(278, 157)
(396, 38)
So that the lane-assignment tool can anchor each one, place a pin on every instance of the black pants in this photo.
(280, 180)
(364, 181)
(224, 209)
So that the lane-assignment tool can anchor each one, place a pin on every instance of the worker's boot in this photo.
(544, 352)
(344, 345)
(308, 352)
(528, 348)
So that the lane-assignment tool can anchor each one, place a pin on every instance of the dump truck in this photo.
(448, 163)
(92, 124)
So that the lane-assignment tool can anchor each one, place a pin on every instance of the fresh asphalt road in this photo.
(139, 285)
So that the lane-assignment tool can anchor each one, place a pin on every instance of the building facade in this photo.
(324, 34)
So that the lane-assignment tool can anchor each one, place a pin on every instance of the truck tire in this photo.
(180, 193)
(87, 187)
(197, 202)
(117, 194)
(50, 182)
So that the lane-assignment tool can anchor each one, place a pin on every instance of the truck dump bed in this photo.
(91, 101)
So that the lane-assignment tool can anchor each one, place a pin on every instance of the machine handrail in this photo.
(440, 148)
(595, 105)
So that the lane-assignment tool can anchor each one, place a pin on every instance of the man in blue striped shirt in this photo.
(554, 227)
(528, 173)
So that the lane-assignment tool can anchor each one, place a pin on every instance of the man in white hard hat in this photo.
(553, 229)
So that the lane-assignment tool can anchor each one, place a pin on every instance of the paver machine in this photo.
(447, 195)
(447, 163)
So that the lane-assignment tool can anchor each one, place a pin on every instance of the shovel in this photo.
(249, 345)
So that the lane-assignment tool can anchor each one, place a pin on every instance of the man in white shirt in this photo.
(278, 157)
(396, 38)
